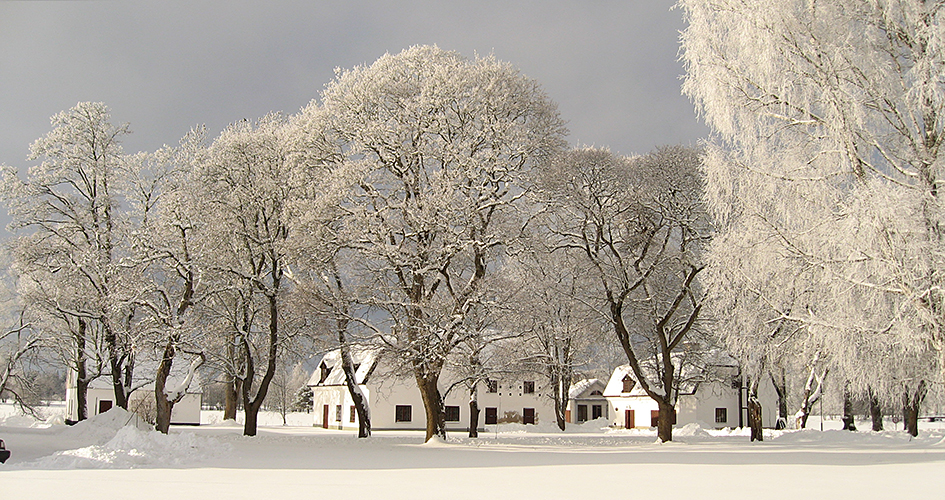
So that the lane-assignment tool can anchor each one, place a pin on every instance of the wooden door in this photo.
(628, 420)
(104, 405)
(325, 417)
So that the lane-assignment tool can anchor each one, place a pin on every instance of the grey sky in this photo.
(165, 66)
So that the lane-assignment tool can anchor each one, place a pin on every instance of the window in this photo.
(597, 411)
(452, 414)
(492, 416)
(596, 393)
(528, 415)
(338, 413)
(528, 387)
(721, 415)
(402, 413)
(353, 414)
(492, 386)
(582, 413)
(325, 370)
(628, 383)
(104, 405)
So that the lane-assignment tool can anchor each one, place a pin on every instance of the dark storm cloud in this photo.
(165, 67)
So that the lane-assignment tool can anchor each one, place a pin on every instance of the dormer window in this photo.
(325, 369)
(628, 383)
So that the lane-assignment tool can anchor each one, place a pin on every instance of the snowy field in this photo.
(110, 457)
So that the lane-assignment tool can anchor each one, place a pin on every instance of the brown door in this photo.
(654, 418)
(492, 415)
(104, 405)
(325, 417)
(528, 415)
(628, 421)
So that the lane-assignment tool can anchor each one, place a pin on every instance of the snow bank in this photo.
(121, 440)
(690, 430)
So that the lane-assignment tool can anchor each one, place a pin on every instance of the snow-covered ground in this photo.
(114, 456)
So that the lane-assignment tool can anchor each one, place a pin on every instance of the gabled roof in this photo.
(584, 388)
(615, 384)
(329, 372)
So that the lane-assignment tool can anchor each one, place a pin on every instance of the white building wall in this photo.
(510, 401)
(642, 407)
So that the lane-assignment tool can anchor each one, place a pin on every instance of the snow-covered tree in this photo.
(70, 242)
(829, 120)
(640, 227)
(440, 142)
(171, 247)
(248, 181)
(549, 309)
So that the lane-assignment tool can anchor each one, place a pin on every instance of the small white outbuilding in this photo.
(718, 402)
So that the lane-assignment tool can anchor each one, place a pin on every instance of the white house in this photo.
(101, 398)
(395, 401)
(586, 401)
(719, 403)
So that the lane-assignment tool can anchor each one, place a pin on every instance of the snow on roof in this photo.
(615, 384)
(580, 387)
(145, 371)
(364, 360)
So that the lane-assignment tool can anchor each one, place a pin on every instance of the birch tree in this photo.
(441, 142)
(828, 118)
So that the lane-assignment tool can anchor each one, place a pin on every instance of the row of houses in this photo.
(524, 398)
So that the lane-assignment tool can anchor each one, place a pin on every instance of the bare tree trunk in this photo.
(754, 419)
(474, 412)
(811, 394)
(251, 406)
(910, 408)
(876, 412)
(667, 417)
(233, 384)
(432, 405)
(351, 380)
(754, 412)
(560, 400)
(780, 387)
(117, 362)
(82, 376)
(848, 420)
(163, 405)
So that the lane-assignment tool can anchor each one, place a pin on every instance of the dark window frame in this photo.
(403, 413)
(721, 415)
(451, 413)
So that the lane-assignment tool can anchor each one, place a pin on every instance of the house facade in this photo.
(101, 398)
(711, 404)
(395, 402)
(586, 402)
